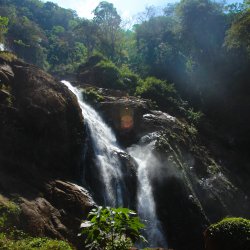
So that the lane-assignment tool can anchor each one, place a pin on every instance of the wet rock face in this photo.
(193, 185)
(59, 213)
(129, 171)
(131, 117)
(41, 123)
(42, 136)
(93, 178)
(125, 116)
(191, 188)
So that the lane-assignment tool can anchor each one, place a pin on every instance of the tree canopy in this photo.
(201, 47)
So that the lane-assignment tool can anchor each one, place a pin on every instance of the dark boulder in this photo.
(191, 188)
(41, 123)
(230, 234)
(58, 214)
(41, 142)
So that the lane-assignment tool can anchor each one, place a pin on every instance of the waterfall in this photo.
(106, 152)
(143, 155)
(1, 47)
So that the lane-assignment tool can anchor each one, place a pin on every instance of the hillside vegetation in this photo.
(202, 47)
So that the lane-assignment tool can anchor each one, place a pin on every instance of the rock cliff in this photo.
(41, 142)
(193, 180)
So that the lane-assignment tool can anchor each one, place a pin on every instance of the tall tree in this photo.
(238, 36)
(86, 31)
(108, 21)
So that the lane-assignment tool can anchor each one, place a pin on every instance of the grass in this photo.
(31, 243)
(13, 239)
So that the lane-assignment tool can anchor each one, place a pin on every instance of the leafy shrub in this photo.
(93, 60)
(9, 212)
(130, 79)
(104, 73)
(155, 87)
(163, 93)
(30, 243)
(3, 27)
(194, 117)
(230, 234)
(13, 239)
(111, 228)
(110, 75)
(91, 95)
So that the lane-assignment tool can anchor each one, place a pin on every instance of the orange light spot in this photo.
(127, 122)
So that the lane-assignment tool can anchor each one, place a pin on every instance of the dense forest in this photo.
(182, 70)
(201, 47)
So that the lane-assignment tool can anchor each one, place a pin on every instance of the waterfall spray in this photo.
(106, 152)
(143, 155)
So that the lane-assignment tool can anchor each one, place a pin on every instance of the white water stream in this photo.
(105, 149)
(1, 47)
(143, 155)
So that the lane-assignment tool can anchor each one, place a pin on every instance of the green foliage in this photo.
(202, 46)
(108, 22)
(157, 90)
(3, 27)
(230, 233)
(238, 36)
(86, 31)
(111, 228)
(91, 95)
(130, 79)
(30, 243)
(194, 117)
(43, 34)
(13, 239)
(9, 212)
(104, 73)
(110, 74)
(8, 56)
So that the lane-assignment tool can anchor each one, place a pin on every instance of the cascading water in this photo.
(1, 47)
(106, 152)
(143, 155)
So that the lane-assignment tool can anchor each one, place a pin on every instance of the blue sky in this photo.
(126, 8)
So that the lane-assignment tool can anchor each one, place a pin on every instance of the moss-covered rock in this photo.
(12, 238)
(229, 234)
(9, 213)
(101, 72)
(25, 242)
(8, 56)
(92, 96)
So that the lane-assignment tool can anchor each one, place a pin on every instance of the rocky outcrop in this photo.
(230, 234)
(42, 140)
(41, 135)
(191, 178)
(58, 213)
(130, 117)
(41, 123)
